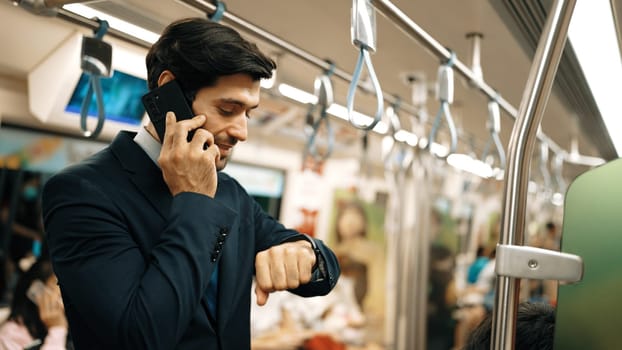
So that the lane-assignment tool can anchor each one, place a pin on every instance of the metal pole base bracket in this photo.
(537, 263)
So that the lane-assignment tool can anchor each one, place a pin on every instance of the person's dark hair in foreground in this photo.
(535, 329)
(153, 246)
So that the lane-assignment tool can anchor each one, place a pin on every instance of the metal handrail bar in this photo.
(522, 141)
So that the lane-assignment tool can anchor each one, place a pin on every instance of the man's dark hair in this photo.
(535, 329)
(198, 51)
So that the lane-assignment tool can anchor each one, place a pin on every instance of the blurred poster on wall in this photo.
(357, 237)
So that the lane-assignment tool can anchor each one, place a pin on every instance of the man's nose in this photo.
(239, 129)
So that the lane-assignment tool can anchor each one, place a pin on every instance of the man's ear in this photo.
(165, 77)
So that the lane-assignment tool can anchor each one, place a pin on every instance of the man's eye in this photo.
(224, 111)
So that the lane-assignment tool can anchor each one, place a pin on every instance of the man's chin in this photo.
(221, 164)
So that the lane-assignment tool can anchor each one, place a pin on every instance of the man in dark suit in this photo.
(153, 247)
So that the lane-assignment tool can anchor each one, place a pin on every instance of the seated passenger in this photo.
(37, 315)
(535, 329)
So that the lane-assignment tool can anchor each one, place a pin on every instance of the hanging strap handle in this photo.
(558, 164)
(445, 93)
(399, 155)
(94, 86)
(544, 165)
(363, 30)
(494, 127)
(324, 93)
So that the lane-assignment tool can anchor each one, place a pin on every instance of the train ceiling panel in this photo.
(526, 20)
(322, 28)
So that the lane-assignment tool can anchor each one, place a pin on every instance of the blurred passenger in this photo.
(37, 317)
(535, 329)
(545, 291)
(25, 229)
(441, 299)
(476, 267)
(288, 319)
(476, 302)
(551, 239)
(485, 283)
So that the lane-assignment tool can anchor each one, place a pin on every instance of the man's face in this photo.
(227, 106)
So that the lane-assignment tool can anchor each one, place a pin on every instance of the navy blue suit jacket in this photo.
(133, 262)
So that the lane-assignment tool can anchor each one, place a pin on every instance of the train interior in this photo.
(417, 206)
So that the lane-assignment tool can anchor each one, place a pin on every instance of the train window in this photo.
(265, 185)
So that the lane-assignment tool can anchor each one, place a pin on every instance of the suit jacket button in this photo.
(214, 257)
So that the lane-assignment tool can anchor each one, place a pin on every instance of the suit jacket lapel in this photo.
(143, 172)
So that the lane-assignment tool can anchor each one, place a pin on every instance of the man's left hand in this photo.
(282, 267)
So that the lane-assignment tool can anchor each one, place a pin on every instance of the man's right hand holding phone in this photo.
(189, 166)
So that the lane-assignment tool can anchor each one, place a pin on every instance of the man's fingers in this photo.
(200, 138)
(285, 266)
(194, 122)
(178, 131)
(168, 130)
(262, 271)
(278, 271)
(213, 152)
(305, 270)
(291, 267)
(262, 296)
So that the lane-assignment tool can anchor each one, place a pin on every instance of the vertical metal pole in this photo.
(524, 133)
(400, 268)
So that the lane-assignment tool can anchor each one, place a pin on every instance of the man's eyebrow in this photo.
(237, 102)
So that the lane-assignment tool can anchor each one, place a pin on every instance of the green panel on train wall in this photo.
(589, 313)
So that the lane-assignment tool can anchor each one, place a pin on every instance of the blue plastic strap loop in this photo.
(324, 94)
(102, 29)
(444, 110)
(220, 11)
(364, 58)
(94, 86)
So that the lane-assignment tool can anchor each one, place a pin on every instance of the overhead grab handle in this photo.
(363, 32)
(558, 164)
(323, 89)
(544, 165)
(494, 128)
(537, 263)
(96, 61)
(445, 94)
(397, 154)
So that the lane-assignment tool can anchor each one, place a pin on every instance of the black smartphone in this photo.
(166, 98)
